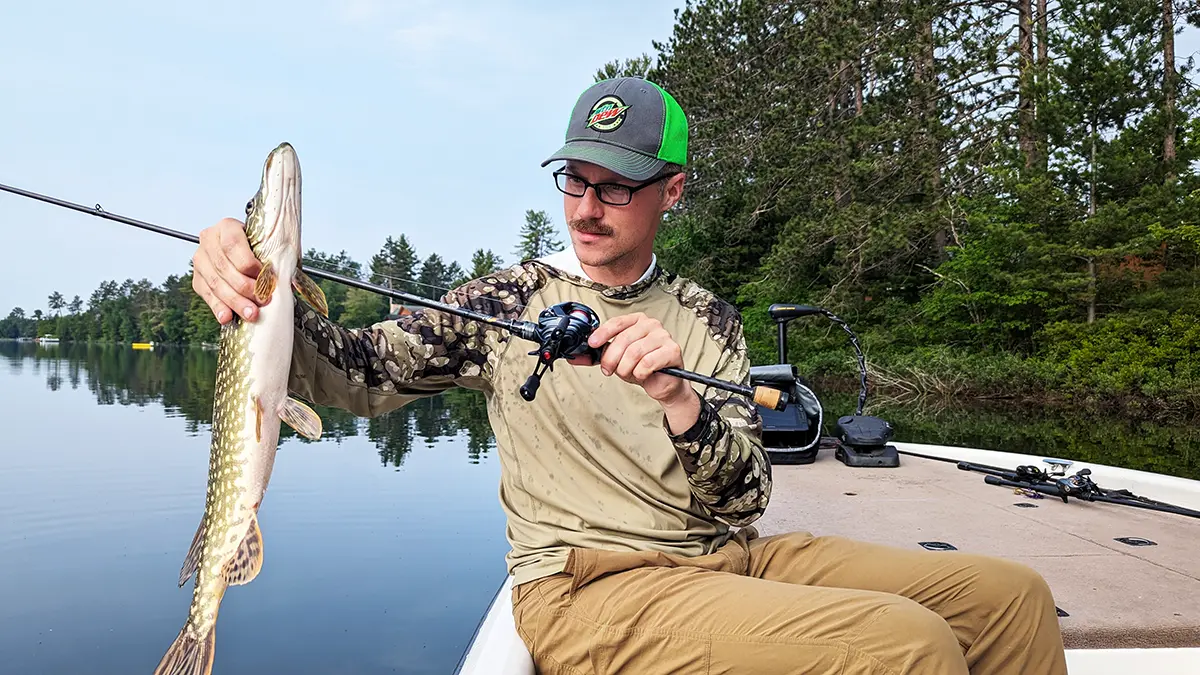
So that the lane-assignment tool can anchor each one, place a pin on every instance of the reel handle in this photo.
(529, 389)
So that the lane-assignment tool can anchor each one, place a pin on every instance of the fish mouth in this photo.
(281, 199)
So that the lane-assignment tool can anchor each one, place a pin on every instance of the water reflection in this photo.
(182, 380)
(366, 570)
(1074, 434)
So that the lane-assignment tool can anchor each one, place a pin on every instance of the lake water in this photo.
(384, 541)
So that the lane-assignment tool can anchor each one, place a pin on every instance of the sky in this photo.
(413, 117)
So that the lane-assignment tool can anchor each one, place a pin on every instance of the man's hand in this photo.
(224, 269)
(635, 346)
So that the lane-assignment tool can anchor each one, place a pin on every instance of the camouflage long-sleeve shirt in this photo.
(591, 462)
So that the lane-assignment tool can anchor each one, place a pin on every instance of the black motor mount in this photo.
(863, 441)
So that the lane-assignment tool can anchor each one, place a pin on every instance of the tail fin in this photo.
(189, 656)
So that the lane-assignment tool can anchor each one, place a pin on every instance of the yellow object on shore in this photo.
(143, 345)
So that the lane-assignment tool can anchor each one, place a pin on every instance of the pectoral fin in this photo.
(264, 286)
(248, 560)
(258, 412)
(310, 291)
(191, 562)
(301, 418)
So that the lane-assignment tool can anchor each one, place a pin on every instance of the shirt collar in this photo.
(567, 261)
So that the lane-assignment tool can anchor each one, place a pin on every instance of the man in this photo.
(628, 492)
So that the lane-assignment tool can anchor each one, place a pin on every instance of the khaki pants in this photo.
(791, 603)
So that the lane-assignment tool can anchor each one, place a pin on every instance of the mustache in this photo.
(590, 226)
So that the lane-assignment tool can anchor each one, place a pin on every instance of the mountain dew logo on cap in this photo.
(607, 114)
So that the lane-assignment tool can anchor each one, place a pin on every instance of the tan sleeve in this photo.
(373, 370)
(723, 455)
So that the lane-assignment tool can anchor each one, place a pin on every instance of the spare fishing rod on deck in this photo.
(561, 331)
(1056, 483)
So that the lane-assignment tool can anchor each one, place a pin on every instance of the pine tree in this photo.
(433, 277)
(537, 236)
(640, 66)
(396, 264)
(484, 263)
(455, 276)
(56, 302)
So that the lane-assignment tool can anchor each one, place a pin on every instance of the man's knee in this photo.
(909, 638)
(1007, 583)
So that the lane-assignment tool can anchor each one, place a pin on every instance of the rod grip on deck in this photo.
(770, 398)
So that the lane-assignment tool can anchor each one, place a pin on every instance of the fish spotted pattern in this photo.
(250, 402)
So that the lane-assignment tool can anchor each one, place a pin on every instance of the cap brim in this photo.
(630, 164)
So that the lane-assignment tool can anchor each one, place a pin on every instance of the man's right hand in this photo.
(224, 270)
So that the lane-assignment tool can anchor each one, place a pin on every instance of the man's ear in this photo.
(673, 191)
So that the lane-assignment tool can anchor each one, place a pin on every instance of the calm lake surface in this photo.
(384, 542)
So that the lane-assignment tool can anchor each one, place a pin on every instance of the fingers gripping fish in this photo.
(251, 400)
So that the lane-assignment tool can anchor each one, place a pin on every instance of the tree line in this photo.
(172, 313)
(183, 382)
(1001, 196)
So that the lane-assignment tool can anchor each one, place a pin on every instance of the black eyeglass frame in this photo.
(596, 186)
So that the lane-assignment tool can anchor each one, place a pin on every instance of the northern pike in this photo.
(251, 400)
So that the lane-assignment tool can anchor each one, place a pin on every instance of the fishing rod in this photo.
(561, 331)
(1078, 485)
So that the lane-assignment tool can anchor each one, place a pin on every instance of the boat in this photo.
(1126, 580)
(47, 340)
(143, 345)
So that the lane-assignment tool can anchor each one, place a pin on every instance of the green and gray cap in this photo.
(627, 125)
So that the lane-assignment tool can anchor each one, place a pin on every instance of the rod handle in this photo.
(771, 398)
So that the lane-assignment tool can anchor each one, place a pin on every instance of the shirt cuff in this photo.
(708, 414)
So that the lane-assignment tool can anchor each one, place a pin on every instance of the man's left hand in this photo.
(635, 346)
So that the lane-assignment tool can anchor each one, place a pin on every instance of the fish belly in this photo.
(252, 376)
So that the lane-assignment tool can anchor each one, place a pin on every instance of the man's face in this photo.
(603, 234)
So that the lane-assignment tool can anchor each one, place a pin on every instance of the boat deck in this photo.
(1115, 595)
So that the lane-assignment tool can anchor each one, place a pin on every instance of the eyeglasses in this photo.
(613, 194)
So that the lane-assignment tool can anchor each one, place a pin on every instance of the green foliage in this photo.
(982, 203)
(173, 314)
(363, 308)
(1154, 354)
(434, 278)
(395, 265)
(335, 294)
(639, 66)
(537, 236)
(484, 263)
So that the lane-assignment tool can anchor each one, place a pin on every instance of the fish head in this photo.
(273, 215)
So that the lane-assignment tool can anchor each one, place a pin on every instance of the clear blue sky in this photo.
(417, 117)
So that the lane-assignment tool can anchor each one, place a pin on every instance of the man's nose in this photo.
(590, 205)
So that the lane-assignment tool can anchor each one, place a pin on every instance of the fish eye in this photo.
(249, 206)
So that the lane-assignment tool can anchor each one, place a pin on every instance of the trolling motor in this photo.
(861, 440)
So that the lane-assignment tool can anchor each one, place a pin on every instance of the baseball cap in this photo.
(628, 125)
